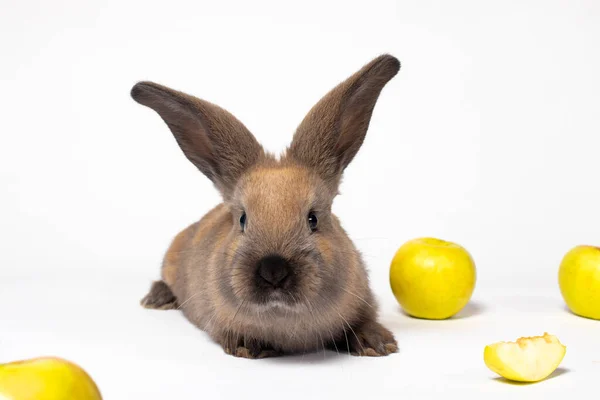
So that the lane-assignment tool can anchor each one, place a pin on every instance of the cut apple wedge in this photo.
(528, 359)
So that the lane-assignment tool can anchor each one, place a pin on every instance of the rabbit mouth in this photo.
(277, 299)
(278, 305)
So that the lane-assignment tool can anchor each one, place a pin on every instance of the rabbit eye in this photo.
(243, 222)
(312, 221)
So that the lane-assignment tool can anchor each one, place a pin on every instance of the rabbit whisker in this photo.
(293, 333)
(347, 323)
(231, 324)
(189, 298)
(352, 330)
(346, 336)
(333, 341)
(310, 309)
(357, 296)
(209, 321)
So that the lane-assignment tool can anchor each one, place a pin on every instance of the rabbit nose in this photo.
(274, 269)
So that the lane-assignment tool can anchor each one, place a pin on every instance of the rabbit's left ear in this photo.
(334, 129)
(214, 141)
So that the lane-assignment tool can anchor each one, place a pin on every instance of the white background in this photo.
(488, 137)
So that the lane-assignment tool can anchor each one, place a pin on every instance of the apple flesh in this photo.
(528, 359)
(46, 378)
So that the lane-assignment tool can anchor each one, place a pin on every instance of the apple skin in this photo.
(46, 378)
(579, 281)
(432, 278)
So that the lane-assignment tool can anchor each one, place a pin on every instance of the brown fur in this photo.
(211, 267)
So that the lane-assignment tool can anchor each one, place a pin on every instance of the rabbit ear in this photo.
(211, 138)
(334, 129)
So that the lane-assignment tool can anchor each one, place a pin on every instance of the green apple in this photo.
(579, 280)
(46, 378)
(432, 278)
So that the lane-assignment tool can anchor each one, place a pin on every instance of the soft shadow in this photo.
(472, 309)
(557, 372)
(318, 357)
(401, 310)
(569, 311)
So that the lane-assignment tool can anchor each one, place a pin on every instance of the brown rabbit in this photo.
(270, 271)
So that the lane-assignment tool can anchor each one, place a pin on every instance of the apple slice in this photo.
(529, 359)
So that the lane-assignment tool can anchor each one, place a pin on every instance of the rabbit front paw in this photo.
(247, 348)
(371, 339)
(160, 297)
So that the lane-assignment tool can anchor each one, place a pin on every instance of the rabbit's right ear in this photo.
(219, 145)
(334, 129)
